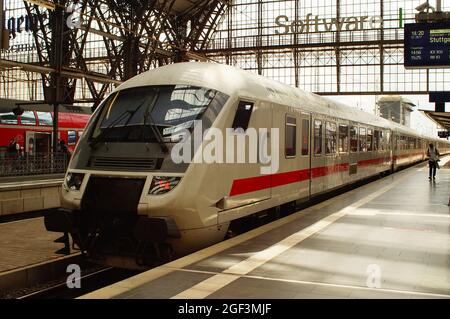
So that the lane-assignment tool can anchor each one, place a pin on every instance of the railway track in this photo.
(88, 282)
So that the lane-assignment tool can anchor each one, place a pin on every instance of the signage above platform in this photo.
(314, 23)
(427, 45)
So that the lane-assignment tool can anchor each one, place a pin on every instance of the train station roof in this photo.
(441, 118)
(181, 7)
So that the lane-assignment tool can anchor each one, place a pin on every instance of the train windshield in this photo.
(155, 113)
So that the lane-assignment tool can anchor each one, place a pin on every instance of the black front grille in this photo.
(129, 164)
(119, 195)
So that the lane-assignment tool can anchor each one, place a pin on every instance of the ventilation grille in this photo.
(129, 164)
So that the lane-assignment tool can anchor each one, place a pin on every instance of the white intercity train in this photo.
(127, 202)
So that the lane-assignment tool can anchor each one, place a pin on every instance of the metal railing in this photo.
(35, 164)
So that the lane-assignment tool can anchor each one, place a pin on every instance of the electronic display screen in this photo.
(427, 45)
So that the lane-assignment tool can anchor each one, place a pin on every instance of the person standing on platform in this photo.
(433, 159)
(13, 154)
(13, 148)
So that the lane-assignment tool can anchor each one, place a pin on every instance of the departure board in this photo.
(427, 45)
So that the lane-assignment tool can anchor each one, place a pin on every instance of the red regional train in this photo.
(33, 130)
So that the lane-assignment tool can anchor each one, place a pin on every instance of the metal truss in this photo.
(368, 61)
(115, 41)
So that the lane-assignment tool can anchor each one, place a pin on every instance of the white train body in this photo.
(318, 152)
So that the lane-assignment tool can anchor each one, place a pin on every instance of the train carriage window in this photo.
(353, 139)
(291, 137)
(376, 140)
(305, 137)
(71, 137)
(318, 137)
(8, 118)
(362, 139)
(45, 118)
(28, 118)
(330, 138)
(243, 114)
(369, 140)
(80, 134)
(343, 138)
(387, 140)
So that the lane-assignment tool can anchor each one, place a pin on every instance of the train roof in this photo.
(7, 105)
(234, 81)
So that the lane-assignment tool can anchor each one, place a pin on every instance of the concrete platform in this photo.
(387, 239)
(26, 242)
(29, 194)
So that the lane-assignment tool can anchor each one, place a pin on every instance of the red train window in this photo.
(28, 118)
(8, 118)
(71, 137)
(45, 118)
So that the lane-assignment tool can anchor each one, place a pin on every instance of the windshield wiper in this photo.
(121, 117)
(154, 127)
(156, 133)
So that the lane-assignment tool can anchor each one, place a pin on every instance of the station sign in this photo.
(427, 45)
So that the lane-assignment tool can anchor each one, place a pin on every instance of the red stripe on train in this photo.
(253, 184)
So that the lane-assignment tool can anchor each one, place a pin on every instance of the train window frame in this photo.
(347, 138)
(369, 135)
(376, 140)
(69, 140)
(362, 139)
(316, 153)
(332, 151)
(354, 128)
(16, 121)
(28, 123)
(290, 122)
(305, 129)
(40, 118)
(243, 115)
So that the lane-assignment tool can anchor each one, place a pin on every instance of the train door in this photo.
(354, 150)
(318, 169)
(251, 182)
(43, 143)
(305, 159)
(393, 145)
(30, 143)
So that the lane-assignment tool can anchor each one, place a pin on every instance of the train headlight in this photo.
(163, 184)
(74, 181)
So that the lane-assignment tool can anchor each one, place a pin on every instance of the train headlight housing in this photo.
(163, 184)
(74, 181)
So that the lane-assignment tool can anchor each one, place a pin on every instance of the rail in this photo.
(36, 164)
